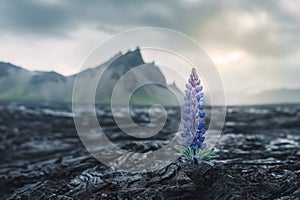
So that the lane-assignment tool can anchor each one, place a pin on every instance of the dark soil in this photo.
(43, 158)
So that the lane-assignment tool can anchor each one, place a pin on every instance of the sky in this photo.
(254, 44)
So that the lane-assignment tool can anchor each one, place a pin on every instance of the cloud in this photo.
(255, 28)
(266, 32)
(262, 28)
(34, 17)
(52, 18)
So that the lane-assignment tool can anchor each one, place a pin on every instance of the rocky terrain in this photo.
(43, 158)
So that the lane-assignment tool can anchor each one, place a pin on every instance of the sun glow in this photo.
(225, 59)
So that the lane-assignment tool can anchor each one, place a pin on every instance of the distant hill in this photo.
(275, 96)
(18, 84)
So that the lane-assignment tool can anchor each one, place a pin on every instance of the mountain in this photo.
(18, 84)
(275, 96)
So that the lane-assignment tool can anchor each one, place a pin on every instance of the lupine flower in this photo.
(193, 146)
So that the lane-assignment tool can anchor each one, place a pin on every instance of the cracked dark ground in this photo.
(43, 158)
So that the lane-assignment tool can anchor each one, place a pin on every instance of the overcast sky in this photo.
(255, 44)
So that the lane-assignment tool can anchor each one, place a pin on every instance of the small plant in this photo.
(193, 147)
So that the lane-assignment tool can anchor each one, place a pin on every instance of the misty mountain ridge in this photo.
(271, 96)
(275, 96)
(18, 84)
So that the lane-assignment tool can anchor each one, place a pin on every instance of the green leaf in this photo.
(185, 151)
(206, 158)
(213, 155)
(207, 154)
(209, 163)
(181, 149)
(200, 154)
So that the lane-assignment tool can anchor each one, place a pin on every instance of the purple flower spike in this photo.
(194, 104)
(193, 147)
